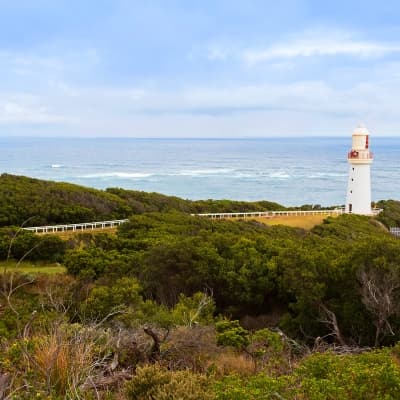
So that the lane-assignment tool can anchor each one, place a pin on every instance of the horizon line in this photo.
(197, 138)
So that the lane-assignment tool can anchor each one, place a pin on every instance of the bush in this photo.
(154, 383)
(367, 376)
(258, 387)
(230, 333)
(104, 300)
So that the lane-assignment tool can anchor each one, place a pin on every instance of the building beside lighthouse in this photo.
(358, 199)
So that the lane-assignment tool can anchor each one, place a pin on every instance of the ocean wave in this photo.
(247, 175)
(132, 175)
(203, 172)
(279, 175)
(327, 175)
(56, 165)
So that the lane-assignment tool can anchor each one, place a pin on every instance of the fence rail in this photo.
(271, 214)
(395, 231)
(76, 227)
(267, 214)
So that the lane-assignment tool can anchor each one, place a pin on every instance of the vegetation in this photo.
(390, 216)
(180, 307)
(28, 267)
(38, 202)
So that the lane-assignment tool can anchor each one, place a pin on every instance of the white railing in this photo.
(76, 227)
(355, 155)
(395, 231)
(271, 214)
(114, 223)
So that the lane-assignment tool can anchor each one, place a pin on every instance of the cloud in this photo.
(300, 108)
(306, 96)
(243, 105)
(40, 66)
(321, 47)
(26, 110)
(309, 44)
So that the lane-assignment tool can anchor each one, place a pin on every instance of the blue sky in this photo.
(218, 68)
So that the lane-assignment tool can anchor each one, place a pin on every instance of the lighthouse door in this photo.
(350, 208)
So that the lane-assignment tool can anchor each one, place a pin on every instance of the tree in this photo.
(380, 293)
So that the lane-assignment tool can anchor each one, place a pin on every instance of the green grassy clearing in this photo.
(28, 267)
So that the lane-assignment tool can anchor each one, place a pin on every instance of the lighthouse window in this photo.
(351, 191)
(352, 179)
(353, 169)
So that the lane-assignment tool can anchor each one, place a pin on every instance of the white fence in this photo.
(395, 231)
(271, 214)
(266, 214)
(76, 227)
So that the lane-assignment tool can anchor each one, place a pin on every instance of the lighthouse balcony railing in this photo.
(357, 155)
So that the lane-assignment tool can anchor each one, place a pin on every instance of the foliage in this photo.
(44, 203)
(368, 376)
(103, 300)
(308, 281)
(390, 216)
(172, 288)
(230, 333)
(256, 387)
(94, 262)
(372, 375)
(153, 382)
(20, 244)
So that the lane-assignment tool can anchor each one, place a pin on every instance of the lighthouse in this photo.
(358, 199)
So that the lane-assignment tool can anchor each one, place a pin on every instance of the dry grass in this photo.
(296, 221)
(66, 362)
(53, 357)
(229, 363)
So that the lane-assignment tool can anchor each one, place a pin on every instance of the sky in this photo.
(206, 68)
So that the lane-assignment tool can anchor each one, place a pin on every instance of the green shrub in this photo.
(258, 387)
(154, 383)
(368, 376)
(230, 333)
(104, 300)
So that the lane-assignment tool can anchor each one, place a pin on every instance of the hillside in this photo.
(47, 202)
(175, 306)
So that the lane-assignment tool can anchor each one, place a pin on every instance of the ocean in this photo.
(290, 171)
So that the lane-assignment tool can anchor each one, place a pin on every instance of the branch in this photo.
(332, 321)
(109, 315)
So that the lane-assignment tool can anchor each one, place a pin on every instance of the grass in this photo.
(296, 221)
(30, 268)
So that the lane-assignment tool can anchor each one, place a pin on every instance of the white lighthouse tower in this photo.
(358, 200)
